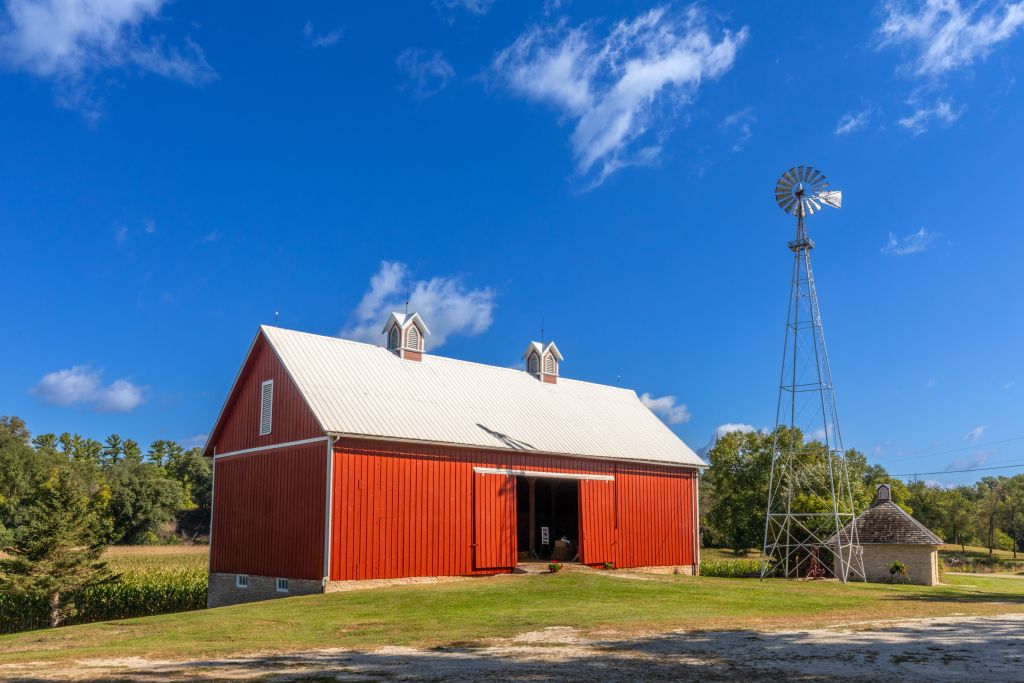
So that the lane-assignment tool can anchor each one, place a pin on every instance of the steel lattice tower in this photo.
(808, 524)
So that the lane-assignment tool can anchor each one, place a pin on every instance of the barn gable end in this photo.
(238, 426)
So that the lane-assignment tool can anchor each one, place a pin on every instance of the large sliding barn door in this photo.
(494, 520)
(597, 521)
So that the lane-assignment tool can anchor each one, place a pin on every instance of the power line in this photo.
(973, 469)
(957, 450)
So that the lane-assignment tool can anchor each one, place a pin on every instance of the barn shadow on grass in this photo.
(947, 649)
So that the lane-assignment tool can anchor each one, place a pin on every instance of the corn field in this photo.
(148, 585)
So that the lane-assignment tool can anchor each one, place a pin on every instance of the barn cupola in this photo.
(542, 361)
(405, 335)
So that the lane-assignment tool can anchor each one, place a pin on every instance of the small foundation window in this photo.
(241, 580)
(282, 585)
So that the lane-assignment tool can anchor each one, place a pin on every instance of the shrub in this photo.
(608, 565)
(898, 572)
(554, 567)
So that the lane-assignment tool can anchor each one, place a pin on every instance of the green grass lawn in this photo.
(481, 609)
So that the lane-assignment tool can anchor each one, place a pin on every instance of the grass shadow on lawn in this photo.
(944, 649)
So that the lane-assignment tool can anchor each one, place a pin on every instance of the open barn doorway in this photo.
(548, 519)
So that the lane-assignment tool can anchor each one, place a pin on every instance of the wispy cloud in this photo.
(976, 460)
(942, 111)
(149, 226)
(852, 122)
(622, 89)
(478, 7)
(741, 122)
(667, 408)
(210, 237)
(428, 72)
(976, 433)
(552, 6)
(72, 42)
(943, 35)
(447, 306)
(332, 37)
(83, 384)
(914, 243)
(197, 441)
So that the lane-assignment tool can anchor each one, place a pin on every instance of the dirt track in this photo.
(945, 649)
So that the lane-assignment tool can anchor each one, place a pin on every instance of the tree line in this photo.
(133, 495)
(734, 492)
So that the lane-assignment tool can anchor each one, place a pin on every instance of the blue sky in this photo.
(177, 172)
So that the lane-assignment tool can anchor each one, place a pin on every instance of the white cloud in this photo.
(71, 41)
(975, 433)
(722, 430)
(210, 237)
(197, 441)
(478, 7)
(976, 460)
(321, 39)
(82, 384)
(667, 409)
(742, 122)
(149, 226)
(941, 111)
(428, 72)
(1009, 385)
(914, 243)
(943, 35)
(852, 122)
(552, 6)
(620, 89)
(444, 303)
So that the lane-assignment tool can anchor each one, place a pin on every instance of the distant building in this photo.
(336, 460)
(888, 534)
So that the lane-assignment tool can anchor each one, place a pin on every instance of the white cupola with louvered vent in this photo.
(405, 334)
(542, 361)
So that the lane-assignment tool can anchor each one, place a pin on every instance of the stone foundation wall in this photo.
(922, 562)
(222, 590)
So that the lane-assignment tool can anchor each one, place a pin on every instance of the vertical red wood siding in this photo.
(597, 522)
(494, 521)
(408, 510)
(239, 426)
(268, 513)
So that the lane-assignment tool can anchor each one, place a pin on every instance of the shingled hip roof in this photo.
(887, 523)
(357, 389)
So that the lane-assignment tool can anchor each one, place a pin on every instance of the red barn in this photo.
(336, 460)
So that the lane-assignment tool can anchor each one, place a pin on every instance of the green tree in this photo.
(56, 550)
(990, 510)
(45, 442)
(162, 451)
(738, 476)
(113, 449)
(1014, 511)
(143, 500)
(195, 474)
(12, 425)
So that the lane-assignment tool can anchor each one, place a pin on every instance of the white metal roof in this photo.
(360, 389)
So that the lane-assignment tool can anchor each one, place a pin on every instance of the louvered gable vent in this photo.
(549, 364)
(394, 337)
(266, 406)
(414, 338)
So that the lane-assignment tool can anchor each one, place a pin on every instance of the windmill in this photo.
(808, 530)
